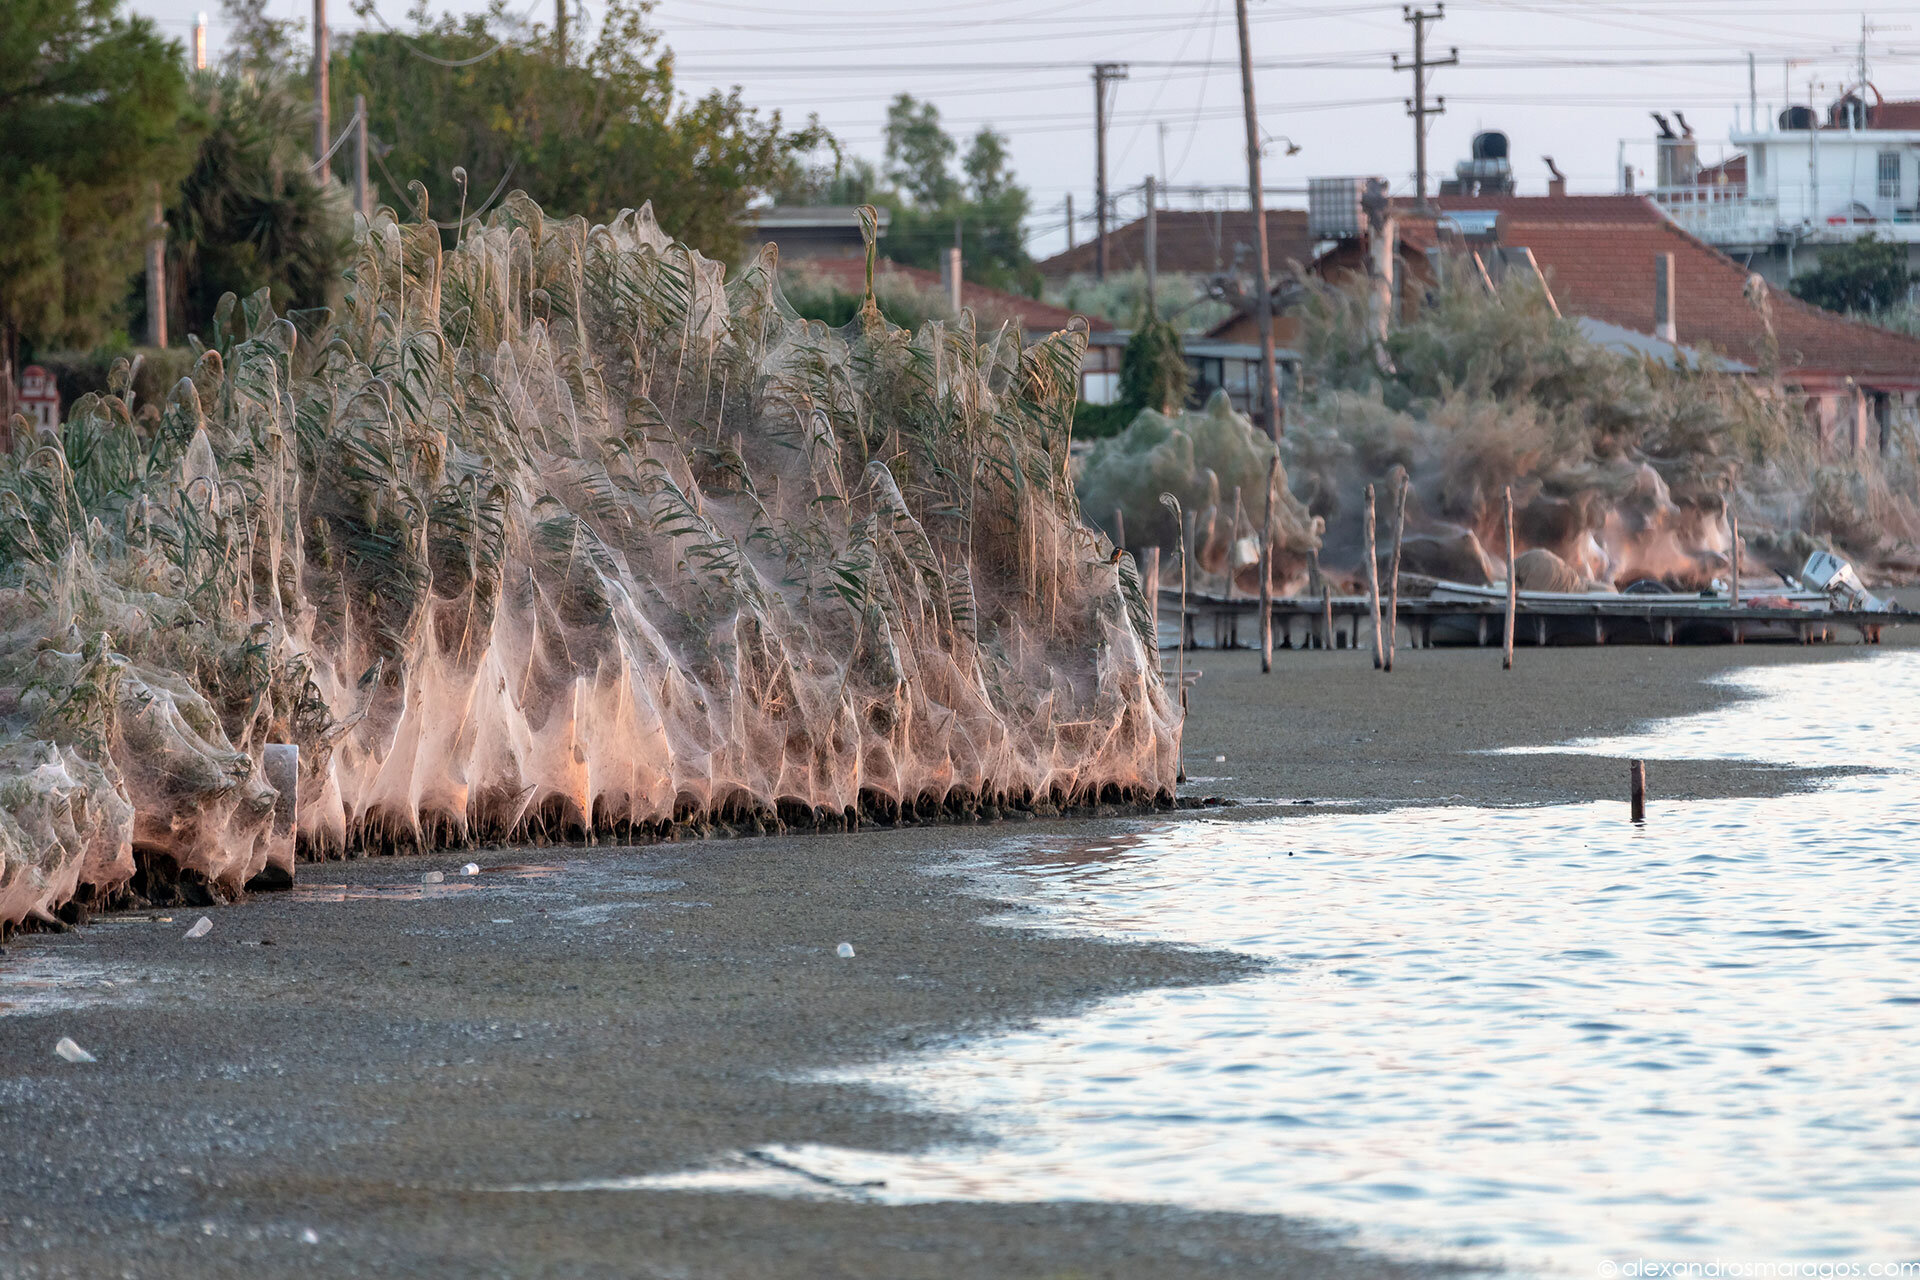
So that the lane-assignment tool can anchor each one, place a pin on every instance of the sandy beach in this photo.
(342, 1079)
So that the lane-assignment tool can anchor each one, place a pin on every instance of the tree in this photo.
(918, 153)
(1868, 275)
(487, 94)
(97, 121)
(931, 208)
(251, 214)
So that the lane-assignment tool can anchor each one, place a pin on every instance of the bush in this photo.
(78, 373)
(1868, 276)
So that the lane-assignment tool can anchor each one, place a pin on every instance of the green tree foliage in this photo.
(926, 201)
(1153, 375)
(929, 204)
(251, 214)
(96, 118)
(1867, 276)
(587, 137)
(1153, 368)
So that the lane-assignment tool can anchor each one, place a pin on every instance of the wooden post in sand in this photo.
(1513, 587)
(1326, 603)
(1266, 572)
(1373, 585)
(1637, 790)
(1119, 529)
(1393, 587)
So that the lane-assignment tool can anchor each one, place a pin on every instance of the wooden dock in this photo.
(1301, 622)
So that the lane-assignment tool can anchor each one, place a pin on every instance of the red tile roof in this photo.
(1598, 252)
(850, 274)
(1195, 241)
(1894, 115)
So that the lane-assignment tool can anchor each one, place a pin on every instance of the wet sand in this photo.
(369, 1061)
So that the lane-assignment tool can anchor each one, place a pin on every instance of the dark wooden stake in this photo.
(1119, 529)
(1393, 586)
(1637, 783)
(1373, 585)
(1266, 571)
(1326, 604)
(1513, 587)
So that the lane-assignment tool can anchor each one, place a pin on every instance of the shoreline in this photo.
(359, 1056)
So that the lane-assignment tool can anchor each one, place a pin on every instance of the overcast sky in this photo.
(1564, 79)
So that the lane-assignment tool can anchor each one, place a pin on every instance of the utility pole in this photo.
(1263, 287)
(1152, 249)
(1753, 99)
(560, 28)
(322, 132)
(1104, 73)
(1069, 219)
(1417, 105)
(362, 192)
(1163, 155)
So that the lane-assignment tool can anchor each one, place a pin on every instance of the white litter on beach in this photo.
(844, 951)
(201, 928)
(71, 1051)
(471, 869)
(310, 1236)
(433, 877)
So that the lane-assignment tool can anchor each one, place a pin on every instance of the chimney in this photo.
(1556, 180)
(950, 277)
(1663, 327)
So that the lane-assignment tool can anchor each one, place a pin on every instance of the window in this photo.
(1100, 388)
(1889, 175)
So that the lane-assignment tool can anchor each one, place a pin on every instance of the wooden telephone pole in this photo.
(1417, 105)
(1104, 73)
(1263, 286)
(322, 128)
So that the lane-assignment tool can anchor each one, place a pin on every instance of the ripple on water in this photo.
(1541, 1033)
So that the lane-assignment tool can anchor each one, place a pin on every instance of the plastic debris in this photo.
(72, 1052)
(433, 877)
(310, 1236)
(471, 869)
(201, 928)
(1219, 759)
(844, 951)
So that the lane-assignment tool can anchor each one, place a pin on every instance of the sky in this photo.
(1566, 79)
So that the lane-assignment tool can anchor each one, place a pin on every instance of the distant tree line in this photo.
(931, 208)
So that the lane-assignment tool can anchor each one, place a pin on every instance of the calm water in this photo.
(1538, 1035)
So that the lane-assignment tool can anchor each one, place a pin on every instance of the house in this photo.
(1800, 182)
(1037, 319)
(1602, 257)
(1193, 242)
(806, 232)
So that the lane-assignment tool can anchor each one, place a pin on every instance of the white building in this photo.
(1792, 188)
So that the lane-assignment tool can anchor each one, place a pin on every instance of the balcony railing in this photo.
(1720, 213)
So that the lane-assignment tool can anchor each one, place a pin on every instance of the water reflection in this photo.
(1542, 1033)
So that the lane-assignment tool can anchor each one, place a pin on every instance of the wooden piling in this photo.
(1393, 586)
(1266, 570)
(1150, 578)
(1373, 585)
(1326, 605)
(1513, 587)
(1637, 790)
(1735, 521)
(1119, 529)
